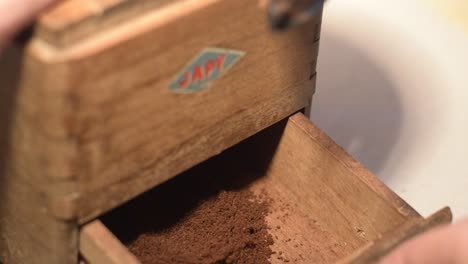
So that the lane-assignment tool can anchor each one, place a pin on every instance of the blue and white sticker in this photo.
(208, 66)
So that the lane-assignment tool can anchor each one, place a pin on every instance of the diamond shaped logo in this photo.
(205, 68)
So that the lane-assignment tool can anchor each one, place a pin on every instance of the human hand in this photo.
(16, 14)
(447, 244)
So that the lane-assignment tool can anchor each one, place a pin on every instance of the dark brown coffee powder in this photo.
(228, 227)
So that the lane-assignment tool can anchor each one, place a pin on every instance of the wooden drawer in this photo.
(337, 210)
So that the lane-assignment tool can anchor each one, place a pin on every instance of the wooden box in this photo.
(329, 207)
(110, 98)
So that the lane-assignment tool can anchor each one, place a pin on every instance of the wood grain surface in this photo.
(91, 122)
(36, 194)
(133, 132)
(71, 21)
(324, 207)
(375, 250)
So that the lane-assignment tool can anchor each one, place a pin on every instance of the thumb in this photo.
(447, 244)
(15, 14)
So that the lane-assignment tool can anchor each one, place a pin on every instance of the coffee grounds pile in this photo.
(229, 227)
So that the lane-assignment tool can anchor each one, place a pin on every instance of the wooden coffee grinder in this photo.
(111, 98)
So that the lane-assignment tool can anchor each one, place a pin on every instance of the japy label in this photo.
(205, 68)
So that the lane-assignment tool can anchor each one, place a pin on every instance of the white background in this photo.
(393, 91)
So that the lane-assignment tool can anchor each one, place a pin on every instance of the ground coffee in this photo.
(228, 227)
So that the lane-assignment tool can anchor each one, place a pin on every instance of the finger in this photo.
(15, 14)
(442, 245)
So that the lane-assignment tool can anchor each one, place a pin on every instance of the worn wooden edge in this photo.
(73, 20)
(38, 223)
(67, 13)
(128, 29)
(354, 166)
(99, 246)
(43, 105)
(375, 250)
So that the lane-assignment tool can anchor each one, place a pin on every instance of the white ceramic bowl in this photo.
(393, 91)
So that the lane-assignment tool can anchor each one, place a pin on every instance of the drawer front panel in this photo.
(158, 103)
